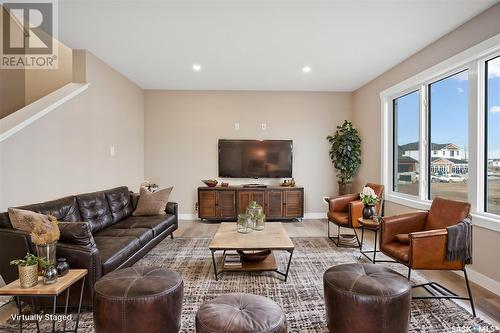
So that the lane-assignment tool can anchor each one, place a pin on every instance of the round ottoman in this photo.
(240, 313)
(138, 299)
(366, 298)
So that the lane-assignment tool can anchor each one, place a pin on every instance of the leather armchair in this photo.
(419, 241)
(345, 210)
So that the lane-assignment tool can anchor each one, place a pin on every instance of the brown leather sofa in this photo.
(100, 235)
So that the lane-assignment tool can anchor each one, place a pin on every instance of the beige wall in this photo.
(182, 129)
(67, 151)
(366, 116)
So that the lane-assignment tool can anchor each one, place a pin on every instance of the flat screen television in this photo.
(255, 158)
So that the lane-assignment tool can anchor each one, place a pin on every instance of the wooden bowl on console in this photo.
(210, 182)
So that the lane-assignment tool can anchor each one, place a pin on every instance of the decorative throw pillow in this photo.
(403, 238)
(26, 220)
(42, 228)
(152, 203)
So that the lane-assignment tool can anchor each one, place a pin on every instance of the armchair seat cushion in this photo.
(115, 250)
(397, 250)
(402, 238)
(157, 223)
(339, 217)
(144, 235)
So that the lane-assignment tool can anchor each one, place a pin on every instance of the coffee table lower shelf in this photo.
(268, 264)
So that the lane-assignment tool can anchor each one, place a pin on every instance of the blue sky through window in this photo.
(493, 108)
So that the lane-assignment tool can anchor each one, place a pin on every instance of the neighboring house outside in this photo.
(446, 158)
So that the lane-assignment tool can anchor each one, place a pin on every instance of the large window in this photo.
(492, 104)
(441, 134)
(406, 143)
(448, 161)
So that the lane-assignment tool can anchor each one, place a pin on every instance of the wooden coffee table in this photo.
(273, 237)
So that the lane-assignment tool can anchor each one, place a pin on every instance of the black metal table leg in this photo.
(66, 309)
(215, 266)
(18, 303)
(373, 259)
(375, 245)
(35, 312)
(80, 304)
(288, 265)
(54, 306)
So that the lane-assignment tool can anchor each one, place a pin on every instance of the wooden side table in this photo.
(370, 224)
(63, 283)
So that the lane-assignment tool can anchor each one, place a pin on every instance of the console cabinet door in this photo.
(293, 203)
(246, 197)
(226, 203)
(274, 204)
(207, 202)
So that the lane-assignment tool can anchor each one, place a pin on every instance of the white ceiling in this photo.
(258, 45)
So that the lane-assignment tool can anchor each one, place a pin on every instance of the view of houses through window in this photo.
(493, 136)
(448, 112)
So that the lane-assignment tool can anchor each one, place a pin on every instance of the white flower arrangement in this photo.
(368, 196)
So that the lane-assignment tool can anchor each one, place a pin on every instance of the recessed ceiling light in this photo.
(306, 69)
(196, 67)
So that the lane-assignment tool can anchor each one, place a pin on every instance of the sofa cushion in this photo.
(94, 209)
(119, 202)
(115, 250)
(78, 233)
(152, 203)
(63, 209)
(144, 235)
(158, 223)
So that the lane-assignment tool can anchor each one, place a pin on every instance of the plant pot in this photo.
(48, 251)
(368, 211)
(345, 188)
(28, 275)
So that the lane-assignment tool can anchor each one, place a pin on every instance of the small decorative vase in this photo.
(50, 275)
(260, 222)
(244, 224)
(48, 251)
(368, 211)
(28, 275)
(62, 266)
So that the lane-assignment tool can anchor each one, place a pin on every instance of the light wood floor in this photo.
(487, 303)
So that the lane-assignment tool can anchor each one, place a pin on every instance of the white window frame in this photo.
(472, 59)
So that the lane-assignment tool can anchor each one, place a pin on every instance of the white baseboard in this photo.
(307, 216)
(482, 280)
(311, 216)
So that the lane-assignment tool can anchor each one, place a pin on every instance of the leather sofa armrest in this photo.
(77, 233)
(428, 250)
(14, 244)
(79, 256)
(172, 208)
(340, 203)
(355, 212)
(401, 224)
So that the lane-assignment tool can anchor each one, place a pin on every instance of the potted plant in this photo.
(345, 153)
(369, 199)
(28, 269)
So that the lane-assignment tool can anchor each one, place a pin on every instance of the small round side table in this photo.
(370, 224)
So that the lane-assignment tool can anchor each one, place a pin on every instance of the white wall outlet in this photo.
(112, 151)
(263, 126)
(237, 126)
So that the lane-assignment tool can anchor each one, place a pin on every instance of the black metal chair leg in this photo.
(470, 293)
(409, 273)
(172, 235)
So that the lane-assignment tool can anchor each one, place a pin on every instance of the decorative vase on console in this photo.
(369, 199)
(45, 237)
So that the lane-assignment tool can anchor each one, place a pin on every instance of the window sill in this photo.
(487, 221)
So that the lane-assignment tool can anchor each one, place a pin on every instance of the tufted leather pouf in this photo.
(138, 299)
(240, 313)
(366, 298)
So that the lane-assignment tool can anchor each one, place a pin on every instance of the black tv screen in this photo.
(255, 158)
